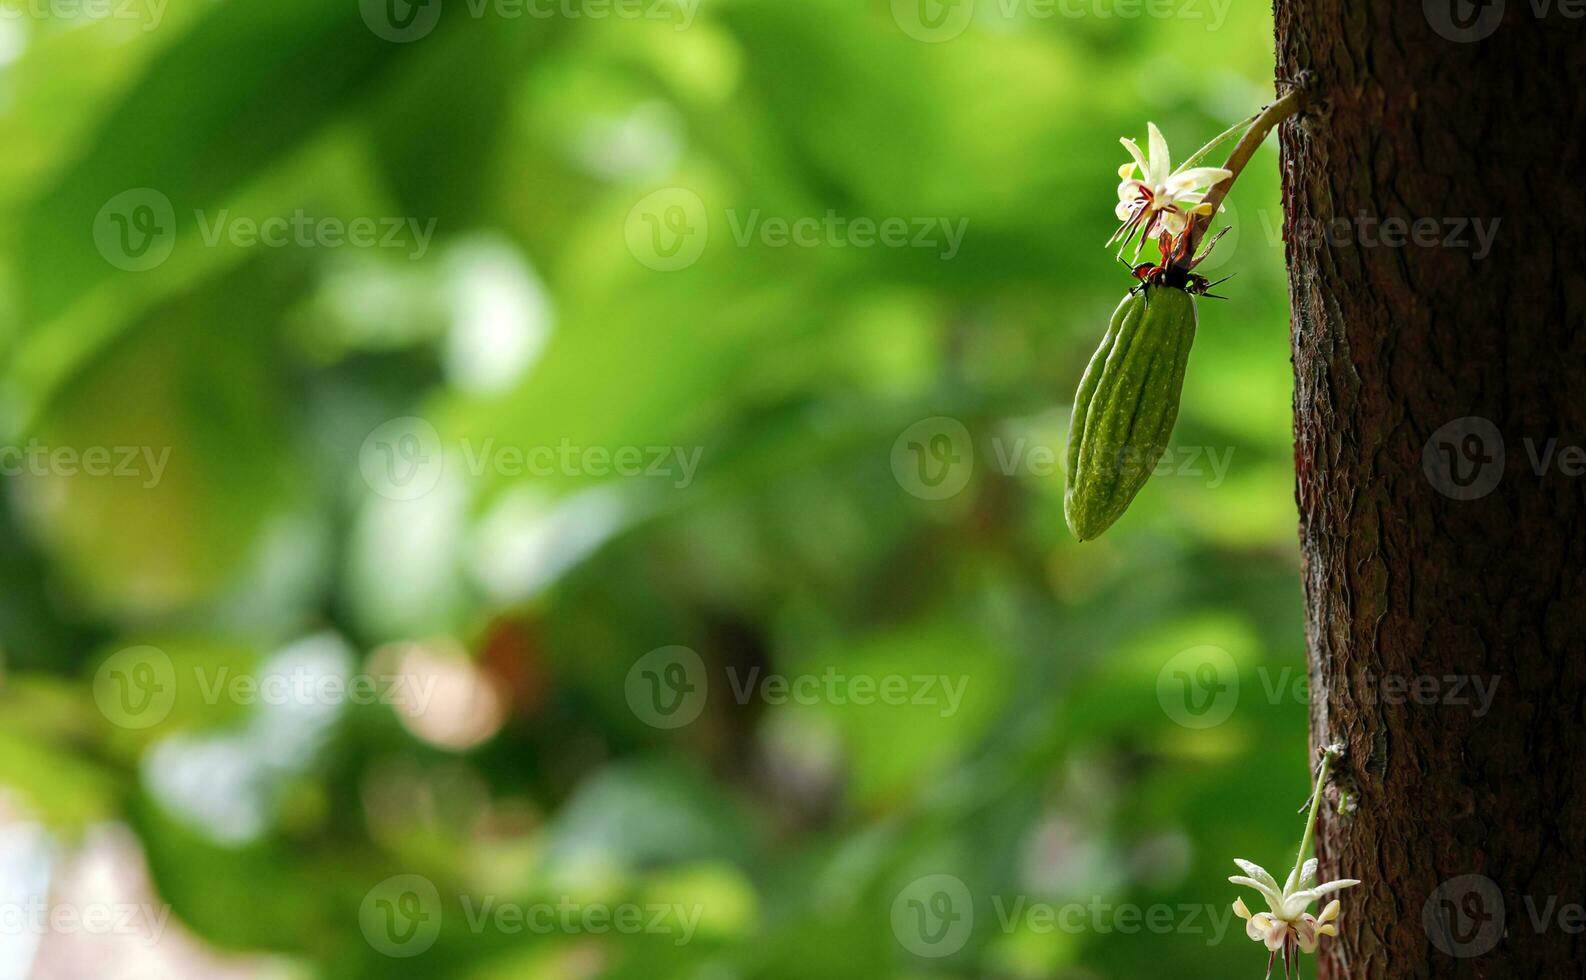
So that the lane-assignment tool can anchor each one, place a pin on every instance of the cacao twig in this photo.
(1246, 148)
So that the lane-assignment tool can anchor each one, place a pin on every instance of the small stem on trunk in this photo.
(1310, 819)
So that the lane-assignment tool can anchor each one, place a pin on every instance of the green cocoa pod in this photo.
(1126, 406)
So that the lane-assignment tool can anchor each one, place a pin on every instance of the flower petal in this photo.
(1194, 177)
(1257, 872)
(1327, 888)
(1273, 897)
(1133, 190)
(1308, 874)
(1305, 933)
(1275, 931)
(1161, 163)
(1297, 902)
(1259, 928)
(1139, 158)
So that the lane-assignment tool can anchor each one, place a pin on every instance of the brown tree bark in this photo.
(1444, 546)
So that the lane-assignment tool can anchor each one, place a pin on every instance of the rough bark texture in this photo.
(1469, 829)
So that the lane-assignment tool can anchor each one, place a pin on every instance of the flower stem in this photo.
(1217, 141)
(1263, 124)
(1328, 755)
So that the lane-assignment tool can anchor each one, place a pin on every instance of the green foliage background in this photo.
(795, 549)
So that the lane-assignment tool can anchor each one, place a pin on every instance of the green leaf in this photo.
(243, 86)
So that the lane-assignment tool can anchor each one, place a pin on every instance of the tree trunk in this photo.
(1438, 419)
